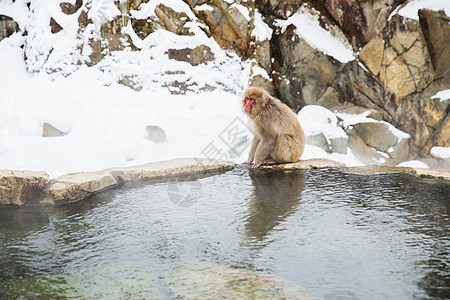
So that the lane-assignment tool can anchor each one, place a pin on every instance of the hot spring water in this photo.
(339, 236)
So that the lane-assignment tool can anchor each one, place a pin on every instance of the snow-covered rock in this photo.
(321, 129)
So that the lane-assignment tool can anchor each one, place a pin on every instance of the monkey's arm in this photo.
(251, 154)
(263, 151)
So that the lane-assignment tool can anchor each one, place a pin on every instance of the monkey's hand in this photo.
(247, 162)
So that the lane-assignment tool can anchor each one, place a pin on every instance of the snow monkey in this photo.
(279, 138)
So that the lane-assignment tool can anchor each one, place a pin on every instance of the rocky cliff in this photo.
(371, 59)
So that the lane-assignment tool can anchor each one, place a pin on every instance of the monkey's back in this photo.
(279, 121)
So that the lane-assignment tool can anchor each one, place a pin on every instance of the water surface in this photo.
(340, 236)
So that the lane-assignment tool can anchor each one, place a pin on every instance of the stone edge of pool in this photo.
(22, 187)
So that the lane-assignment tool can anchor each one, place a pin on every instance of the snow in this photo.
(106, 125)
(256, 70)
(262, 31)
(440, 152)
(398, 133)
(317, 119)
(101, 11)
(352, 119)
(226, 71)
(147, 10)
(242, 9)
(106, 121)
(443, 95)
(16, 11)
(308, 28)
(204, 7)
(414, 164)
(410, 10)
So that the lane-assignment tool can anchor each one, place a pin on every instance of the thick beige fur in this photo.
(279, 138)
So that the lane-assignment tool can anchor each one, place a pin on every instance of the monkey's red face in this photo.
(249, 102)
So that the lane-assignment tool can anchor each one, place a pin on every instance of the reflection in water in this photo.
(341, 236)
(276, 196)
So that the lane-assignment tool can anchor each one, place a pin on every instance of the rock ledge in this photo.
(22, 187)
(317, 163)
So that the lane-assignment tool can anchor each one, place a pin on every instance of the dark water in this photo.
(340, 236)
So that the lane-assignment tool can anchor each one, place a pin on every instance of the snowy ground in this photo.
(106, 124)
(106, 121)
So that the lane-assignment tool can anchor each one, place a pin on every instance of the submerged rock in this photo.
(194, 281)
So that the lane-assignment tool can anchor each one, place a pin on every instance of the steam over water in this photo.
(337, 235)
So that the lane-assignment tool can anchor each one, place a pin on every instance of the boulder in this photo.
(302, 73)
(338, 145)
(278, 9)
(170, 20)
(364, 153)
(372, 55)
(69, 8)
(261, 53)
(384, 138)
(376, 135)
(7, 26)
(361, 21)
(227, 25)
(435, 26)
(55, 27)
(21, 187)
(72, 187)
(318, 140)
(51, 131)
(142, 27)
(322, 130)
(260, 78)
(198, 55)
(359, 87)
(263, 82)
(441, 136)
(406, 65)
(113, 38)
